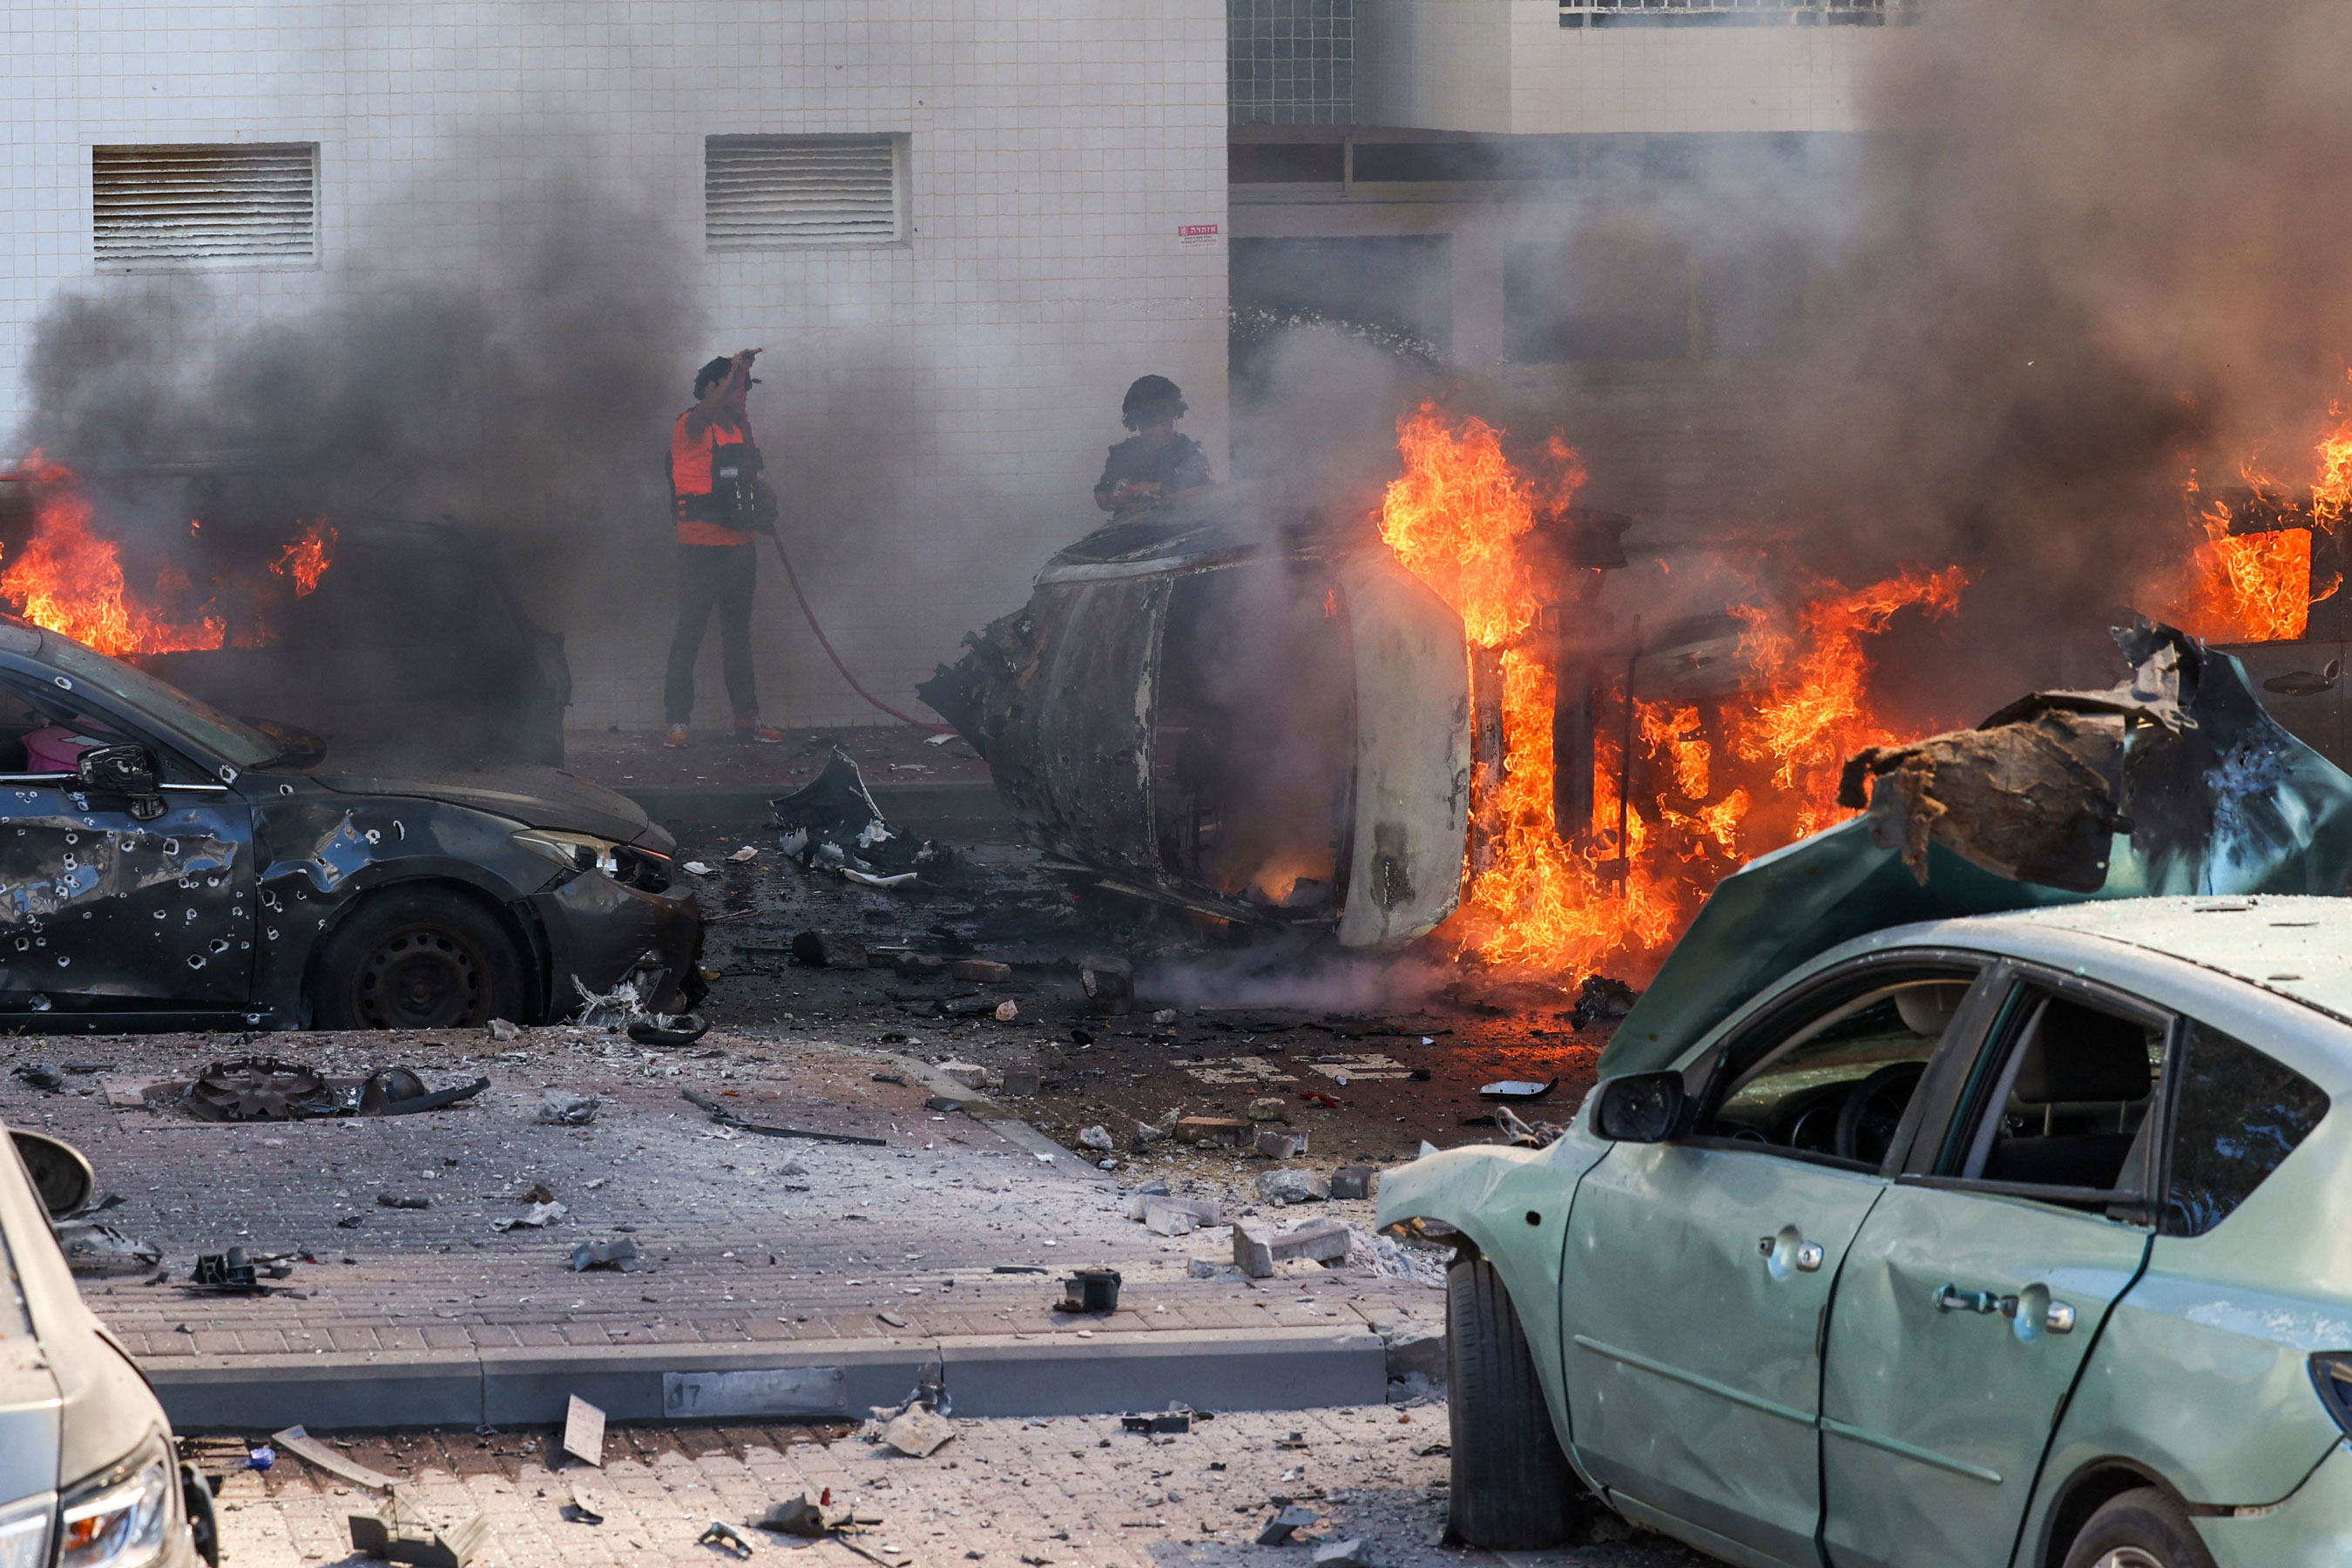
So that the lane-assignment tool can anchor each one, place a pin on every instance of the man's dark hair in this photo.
(717, 370)
(1151, 396)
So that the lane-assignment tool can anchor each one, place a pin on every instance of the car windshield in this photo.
(166, 706)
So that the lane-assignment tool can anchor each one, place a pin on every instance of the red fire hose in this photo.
(825, 643)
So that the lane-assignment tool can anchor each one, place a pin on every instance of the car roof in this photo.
(2299, 948)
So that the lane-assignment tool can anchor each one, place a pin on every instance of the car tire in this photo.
(2140, 1529)
(424, 958)
(1513, 1491)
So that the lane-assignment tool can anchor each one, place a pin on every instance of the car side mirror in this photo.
(1640, 1108)
(62, 1173)
(123, 769)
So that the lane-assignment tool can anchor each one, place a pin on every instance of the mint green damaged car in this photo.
(2018, 1240)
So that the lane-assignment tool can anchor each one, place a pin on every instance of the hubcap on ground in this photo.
(2129, 1557)
(423, 979)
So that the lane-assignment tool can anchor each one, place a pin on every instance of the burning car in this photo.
(1944, 1199)
(165, 865)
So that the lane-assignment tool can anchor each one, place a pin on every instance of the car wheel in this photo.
(2140, 1529)
(427, 959)
(1512, 1488)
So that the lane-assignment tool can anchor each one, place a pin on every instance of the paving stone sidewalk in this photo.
(1075, 1492)
(743, 1238)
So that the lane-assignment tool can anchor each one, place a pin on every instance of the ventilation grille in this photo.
(771, 193)
(205, 205)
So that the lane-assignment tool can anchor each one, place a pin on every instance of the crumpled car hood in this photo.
(535, 796)
(2226, 803)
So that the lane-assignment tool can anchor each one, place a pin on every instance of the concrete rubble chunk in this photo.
(1164, 1018)
(1095, 1138)
(1278, 1529)
(500, 1029)
(919, 965)
(1108, 983)
(1273, 1108)
(1254, 1248)
(1023, 1080)
(917, 1433)
(1291, 1185)
(621, 1255)
(983, 969)
(1273, 1145)
(562, 1107)
(828, 949)
(1354, 1180)
(1415, 1348)
(972, 1075)
(1342, 1554)
(1163, 1218)
(1210, 1130)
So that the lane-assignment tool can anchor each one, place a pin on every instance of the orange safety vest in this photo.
(689, 481)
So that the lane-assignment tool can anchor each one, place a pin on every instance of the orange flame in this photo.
(307, 559)
(1535, 898)
(71, 580)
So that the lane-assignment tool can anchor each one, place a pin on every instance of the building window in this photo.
(781, 192)
(1290, 62)
(204, 204)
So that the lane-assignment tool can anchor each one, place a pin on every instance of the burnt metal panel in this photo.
(1413, 756)
(1073, 752)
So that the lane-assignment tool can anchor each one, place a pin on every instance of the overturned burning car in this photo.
(165, 865)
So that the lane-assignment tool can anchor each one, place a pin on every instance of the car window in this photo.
(45, 729)
(2239, 1113)
(165, 706)
(1836, 1080)
(2059, 1098)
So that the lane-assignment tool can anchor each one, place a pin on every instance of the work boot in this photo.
(674, 738)
(748, 730)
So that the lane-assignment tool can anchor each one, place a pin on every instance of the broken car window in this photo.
(2060, 1098)
(2241, 1114)
(1838, 1085)
(171, 710)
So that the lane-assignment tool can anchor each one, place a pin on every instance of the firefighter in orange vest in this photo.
(720, 505)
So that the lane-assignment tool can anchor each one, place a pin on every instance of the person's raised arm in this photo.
(723, 397)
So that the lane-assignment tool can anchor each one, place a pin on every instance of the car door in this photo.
(103, 909)
(1979, 1282)
(1699, 1270)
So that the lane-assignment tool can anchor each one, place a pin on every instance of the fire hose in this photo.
(826, 643)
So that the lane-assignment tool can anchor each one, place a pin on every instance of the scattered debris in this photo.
(1166, 1216)
(1517, 1088)
(1023, 1080)
(586, 1506)
(1257, 1248)
(917, 1432)
(1095, 1138)
(696, 868)
(919, 965)
(583, 1432)
(1169, 1421)
(972, 1075)
(261, 1457)
(668, 1029)
(1090, 1290)
(828, 949)
(501, 1030)
(1291, 1185)
(299, 1441)
(95, 1249)
(621, 1255)
(1342, 1554)
(259, 1088)
(1354, 1180)
(400, 1533)
(1270, 1108)
(981, 970)
(802, 1516)
(229, 1272)
(562, 1107)
(1108, 984)
(1600, 1000)
(1211, 1130)
(539, 1217)
(722, 1115)
(945, 1102)
(1273, 1145)
(37, 1076)
(401, 1201)
(1278, 1529)
(1007, 1011)
(830, 824)
(745, 856)
(719, 1533)
(611, 1010)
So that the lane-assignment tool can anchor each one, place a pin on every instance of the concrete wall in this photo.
(1509, 66)
(1056, 148)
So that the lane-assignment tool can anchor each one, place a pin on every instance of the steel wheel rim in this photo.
(420, 979)
(2129, 1557)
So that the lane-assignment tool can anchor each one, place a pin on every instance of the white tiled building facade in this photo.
(1054, 154)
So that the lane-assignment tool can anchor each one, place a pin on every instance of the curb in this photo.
(986, 1375)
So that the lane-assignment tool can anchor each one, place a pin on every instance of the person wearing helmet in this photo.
(1155, 462)
(720, 503)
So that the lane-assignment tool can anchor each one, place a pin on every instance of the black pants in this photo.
(721, 576)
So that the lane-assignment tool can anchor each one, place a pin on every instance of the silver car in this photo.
(88, 1475)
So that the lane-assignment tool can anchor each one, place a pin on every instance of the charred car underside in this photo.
(163, 866)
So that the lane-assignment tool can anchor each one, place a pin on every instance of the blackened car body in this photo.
(165, 865)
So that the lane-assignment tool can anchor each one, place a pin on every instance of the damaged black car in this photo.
(165, 865)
